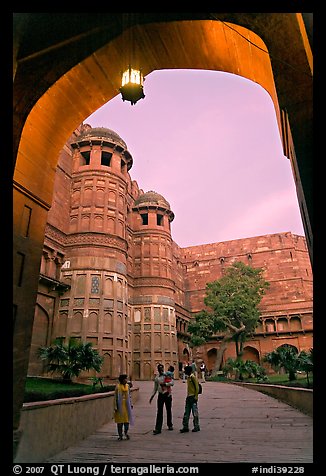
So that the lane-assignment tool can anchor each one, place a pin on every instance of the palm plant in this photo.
(284, 357)
(69, 360)
(235, 365)
(255, 370)
(247, 368)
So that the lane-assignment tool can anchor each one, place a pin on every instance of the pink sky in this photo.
(209, 143)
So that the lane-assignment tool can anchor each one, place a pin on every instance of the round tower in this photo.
(154, 322)
(96, 308)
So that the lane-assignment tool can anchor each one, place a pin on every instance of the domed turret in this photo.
(101, 134)
(98, 254)
(108, 142)
(153, 286)
(99, 182)
(153, 200)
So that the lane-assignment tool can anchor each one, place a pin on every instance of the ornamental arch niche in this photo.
(185, 356)
(211, 358)
(67, 65)
(290, 346)
(40, 339)
(250, 353)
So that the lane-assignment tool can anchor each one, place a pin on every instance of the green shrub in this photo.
(70, 360)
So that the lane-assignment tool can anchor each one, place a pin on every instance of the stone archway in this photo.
(87, 86)
(71, 95)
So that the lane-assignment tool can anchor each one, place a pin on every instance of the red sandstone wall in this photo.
(58, 215)
(283, 256)
(157, 266)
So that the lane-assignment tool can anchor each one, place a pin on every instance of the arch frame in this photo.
(55, 66)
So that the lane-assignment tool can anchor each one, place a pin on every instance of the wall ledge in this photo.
(299, 398)
(51, 426)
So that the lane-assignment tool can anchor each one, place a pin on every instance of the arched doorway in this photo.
(78, 85)
(185, 356)
(211, 359)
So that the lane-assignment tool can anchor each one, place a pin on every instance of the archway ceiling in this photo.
(50, 44)
(79, 91)
(91, 83)
(182, 45)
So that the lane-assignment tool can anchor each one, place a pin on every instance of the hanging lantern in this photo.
(132, 85)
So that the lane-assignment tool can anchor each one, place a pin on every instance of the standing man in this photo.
(164, 397)
(203, 371)
(183, 372)
(194, 367)
(191, 402)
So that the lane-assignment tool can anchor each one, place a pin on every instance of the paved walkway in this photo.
(238, 425)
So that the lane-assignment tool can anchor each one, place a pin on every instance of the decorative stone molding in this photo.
(54, 234)
(92, 239)
(152, 281)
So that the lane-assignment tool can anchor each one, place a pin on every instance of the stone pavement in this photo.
(238, 425)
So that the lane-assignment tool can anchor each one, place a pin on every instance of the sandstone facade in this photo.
(112, 275)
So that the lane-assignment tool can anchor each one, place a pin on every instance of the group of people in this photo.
(163, 384)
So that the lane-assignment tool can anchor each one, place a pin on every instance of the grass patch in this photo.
(300, 381)
(278, 379)
(218, 378)
(38, 389)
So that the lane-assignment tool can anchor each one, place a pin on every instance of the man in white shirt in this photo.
(164, 397)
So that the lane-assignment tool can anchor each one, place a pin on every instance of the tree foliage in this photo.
(71, 359)
(231, 307)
